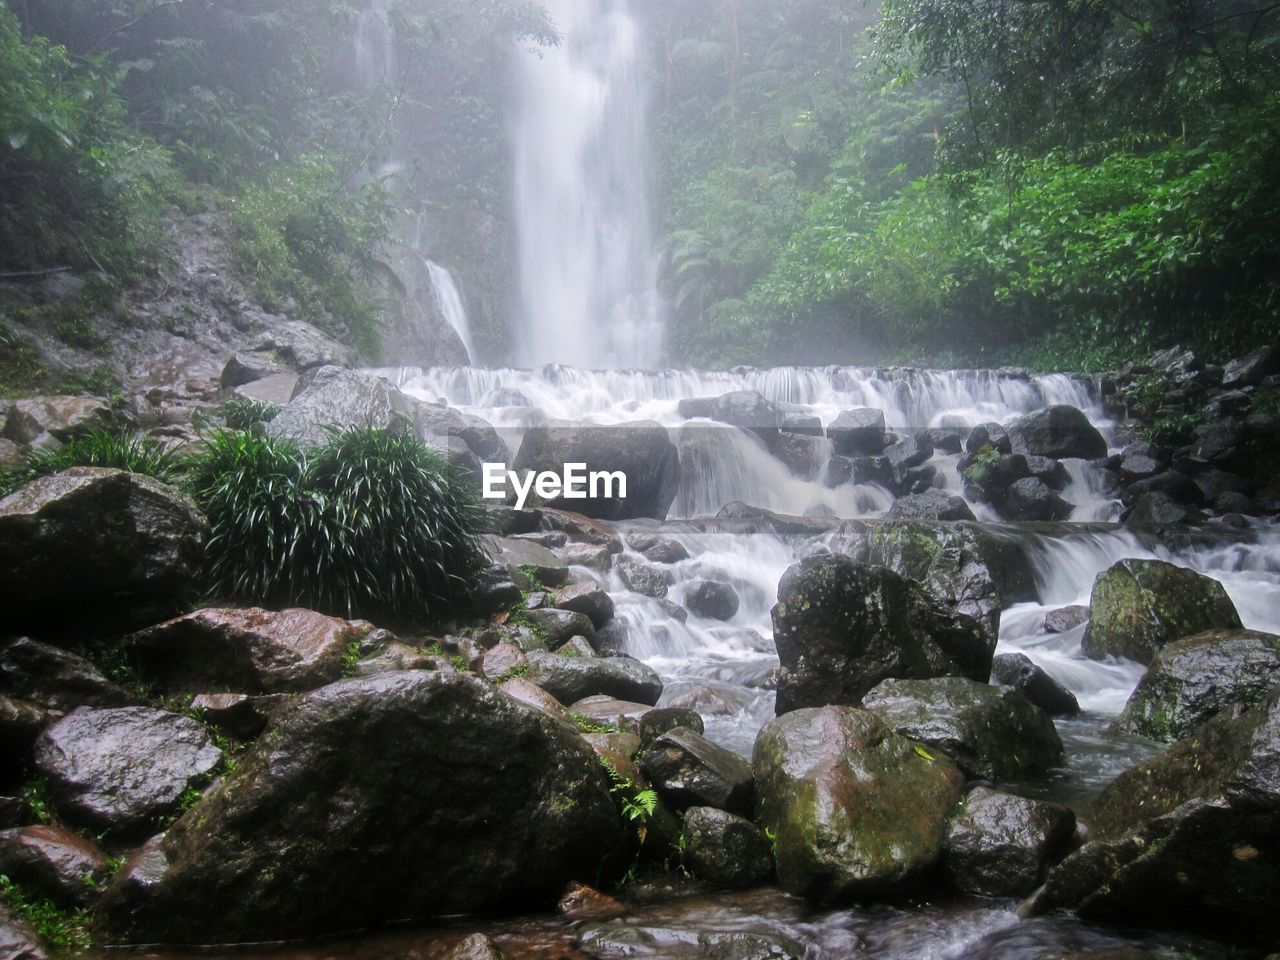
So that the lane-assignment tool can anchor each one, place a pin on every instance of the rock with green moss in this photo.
(570, 679)
(248, 650)
(993, 733)
(1139, 606)
(1191, 680)
(841, 627)
(689, 770)
(370, 801)
(1186, 840)
(854, 810)
(725, 849)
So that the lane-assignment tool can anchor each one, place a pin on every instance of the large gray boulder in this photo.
(855, 810)
(1059, 432)
(725, 849)
(247, 650)
(1031, 499)
(993, 733)
(642, 450)
(689, 770)
(1139, 606)
(118, 768)
(931, 505)
(56, 679)
(53, 863)
(1001, 845)
(841, 627)
(370, 801)
(1194, 679)
(1018, 671)
(858, 432)
(1186, 840)
(91, 544)
(332, 398)
(62, 418)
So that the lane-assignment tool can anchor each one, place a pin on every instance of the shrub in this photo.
(370, 524)
(120, 450)
(241, 413)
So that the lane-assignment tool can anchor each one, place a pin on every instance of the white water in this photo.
(588, 279)
(449, 301)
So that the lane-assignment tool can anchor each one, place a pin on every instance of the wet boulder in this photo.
(640, 577)
(654, 723)
(557, 627)
(858, 432)
(1186, 839)
(99, 544)
(907, 454)
(55, 679)
(658, 548)
(404, 796)
(689, 770)
(855, 809)
(1155, 510)
(931, 505)
(642, 450)
(53, 863)
(18, 941)
(249, 650)
(1001, 845)
(589, 599)
(237, 715)
(748, 410)
(1031, 499)
(301, 347)
(992, 733)
(988, 435)
(117, 768)
(1066, 618)
(1139, 606)
(588, 555)
(570, 679)
(525, 560)
(1016, 670)
(841, 627)
(1251, 370)
(860, 471)
(444, 428)
(711, 598)
(332, 398)
(1192, 680)
(477, 947)
(61, 417)
(688, 939)
(725, 849)
(1059, 432)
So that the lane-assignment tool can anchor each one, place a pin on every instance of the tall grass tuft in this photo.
(97, 448)
(370, 524)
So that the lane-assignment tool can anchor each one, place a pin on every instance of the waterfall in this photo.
(588, 279)
(449, 300)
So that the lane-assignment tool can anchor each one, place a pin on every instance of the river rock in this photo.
(526, 560)
(690, 940)
(55, 679)
(477, 947)
(53, 863)
(725, 849)
(570, 679)
(1016, 670)
(992, 733)
(625, 715)
(61, 417)
(658, 548)
(437, 425)
(660, 720)
(586, 555)
(589, 599)
(17, 940)
(1186, 840)
(301, 346)
(97, 544)
(1251, 370)
(841, 627)
(710, 598)
(855, 809)
(1001, 845)
(1194, 679)
(1059, 432)
(1139, 606)
(559, 626)
(237, 715)
(748, 410)
(689, 770)
(1156, 510)
(1066, 618)
(330, 398)
(642, 578)
(642, 450)
(991, 435)
(249, 650)
(858, 432)
(402, 796)
(1031, 499)
(117, 768)
(931, 505)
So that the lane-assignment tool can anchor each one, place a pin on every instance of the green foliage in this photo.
(370, 524)
(587, 725)
(241, 413)
(36, 796)
(60, 930)
(120, 450)
(301, 235)
(77, 186)
(984, 461)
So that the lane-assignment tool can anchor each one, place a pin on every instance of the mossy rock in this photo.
(1140, 606)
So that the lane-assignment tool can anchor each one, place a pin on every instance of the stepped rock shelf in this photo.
(767, 673)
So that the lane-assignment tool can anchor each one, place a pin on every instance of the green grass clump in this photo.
(241, 413)
(121, 450)
(370, 524)
(61, 930)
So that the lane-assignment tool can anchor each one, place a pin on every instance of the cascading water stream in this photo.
(588, 279)
(449, 301)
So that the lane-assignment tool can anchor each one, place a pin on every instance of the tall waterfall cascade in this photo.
(588, 277)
